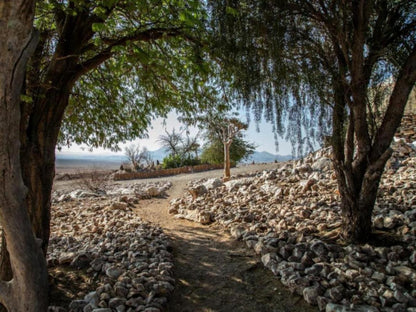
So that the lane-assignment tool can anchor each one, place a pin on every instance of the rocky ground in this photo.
(105, 256)
(100, 230)
(126, 262)
(290, 216)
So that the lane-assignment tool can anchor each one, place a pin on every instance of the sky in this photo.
(263, 140)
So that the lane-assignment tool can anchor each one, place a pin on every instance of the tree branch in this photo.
(144, 36)
(349, 140)
(398, 100)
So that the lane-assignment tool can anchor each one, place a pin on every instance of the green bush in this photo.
(176, 161)
(213, 152)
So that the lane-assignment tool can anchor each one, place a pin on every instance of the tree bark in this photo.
(359, 176)
(227, 172)
(27, 290)
(360, 157)
(39, 140)
(357, 201)
(5, 266)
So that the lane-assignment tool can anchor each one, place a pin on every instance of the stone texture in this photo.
(126, 257)
(291, 217)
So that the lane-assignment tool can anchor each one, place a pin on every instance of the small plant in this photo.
(94, 180)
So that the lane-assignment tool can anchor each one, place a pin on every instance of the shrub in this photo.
(213, 152)
(175, 161)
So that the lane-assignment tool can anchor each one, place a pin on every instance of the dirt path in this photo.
(213, 271)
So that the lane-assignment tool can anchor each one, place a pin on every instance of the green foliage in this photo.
(220, 127)
(285, 57)
(137, 60)
(240, 150)
(252, 39)
(176, 161)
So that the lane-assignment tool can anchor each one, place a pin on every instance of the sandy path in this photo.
(213, 271)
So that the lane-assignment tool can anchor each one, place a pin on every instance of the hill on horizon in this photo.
(266, 157)
(114, 160)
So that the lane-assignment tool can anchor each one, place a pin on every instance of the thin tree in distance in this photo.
(137, 156)
(172, 142)
(228, 130)
(222, 127)
(182, 148)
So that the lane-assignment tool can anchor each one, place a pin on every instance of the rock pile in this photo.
(128, 258)
(131, 192)
(407, 130)
(291, 217)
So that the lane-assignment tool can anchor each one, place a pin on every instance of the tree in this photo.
(191, 146)
(219, 127)
(227, 129)
(172, 142)
(101, 71)
(314, 64)
(213, 151)
(108, 67)
(137, 155)
(26, 286)
(181, 148)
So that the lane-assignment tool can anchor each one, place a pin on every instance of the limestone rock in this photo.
(198, 191)
(213, 183)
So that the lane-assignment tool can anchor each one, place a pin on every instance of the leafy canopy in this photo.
(218, 129)
(213, 151)
(138, 60)
(286, 57)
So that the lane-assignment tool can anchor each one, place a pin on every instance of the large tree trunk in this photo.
(27, 290)
(38, 170)
(39, 131)
(359, 161)
(358, 195)
(39, 139)
(5, 266)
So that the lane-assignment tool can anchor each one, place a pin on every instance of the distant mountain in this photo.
(99, 160)
(266, 157)
(158, 154)
(114, 161)
(92, 161)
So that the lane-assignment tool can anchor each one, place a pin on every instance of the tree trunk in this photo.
(356, 214)
(39, 130)
(358, 198)
(38, 170)
(27, 290)
(227, 173)
(5, 266)
(39, 140)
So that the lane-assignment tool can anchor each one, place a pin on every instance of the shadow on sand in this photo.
(216, 273)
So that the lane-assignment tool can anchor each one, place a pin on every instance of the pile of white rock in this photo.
(291, 217)
(133, 191)
(128, 259)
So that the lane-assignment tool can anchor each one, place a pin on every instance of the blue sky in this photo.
(264, 139)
